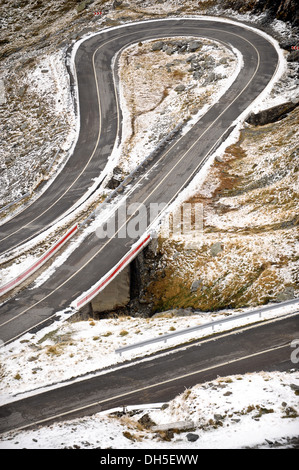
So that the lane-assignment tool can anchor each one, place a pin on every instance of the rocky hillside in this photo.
(248, 251)
(284, 10)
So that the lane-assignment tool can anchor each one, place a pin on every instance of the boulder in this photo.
(295, 388)
(195, 65)
(116, 179)
(116, 4)
(195, 285)
(191, 437)
(194, 45)
(180, 88)
(146, 421)
(169, 50)
(216, 248)
(287, 294)
(210, 78)
(191, 58)
(177, 426)
(197, 75)
(158, 46)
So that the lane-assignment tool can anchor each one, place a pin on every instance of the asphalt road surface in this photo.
(170, 171)
(161, 377)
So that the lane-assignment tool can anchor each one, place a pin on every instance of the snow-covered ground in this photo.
(153, 100)
(231, 412)
(251, 410)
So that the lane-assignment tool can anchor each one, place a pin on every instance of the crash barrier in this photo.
(40, 262)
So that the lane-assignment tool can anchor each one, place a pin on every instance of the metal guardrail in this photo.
(39, 262)
(212, 324)
(5, 208)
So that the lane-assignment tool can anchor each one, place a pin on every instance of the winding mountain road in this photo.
(171, 170)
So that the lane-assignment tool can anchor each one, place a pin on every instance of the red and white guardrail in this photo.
(42, 260)
(105, 280)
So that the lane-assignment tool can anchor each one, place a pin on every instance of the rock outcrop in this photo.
(284, 10)
(273, 114)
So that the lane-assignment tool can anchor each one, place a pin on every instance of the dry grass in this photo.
(123, 333)
(54, 350)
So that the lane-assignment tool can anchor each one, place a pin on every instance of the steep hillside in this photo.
(249, 204)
